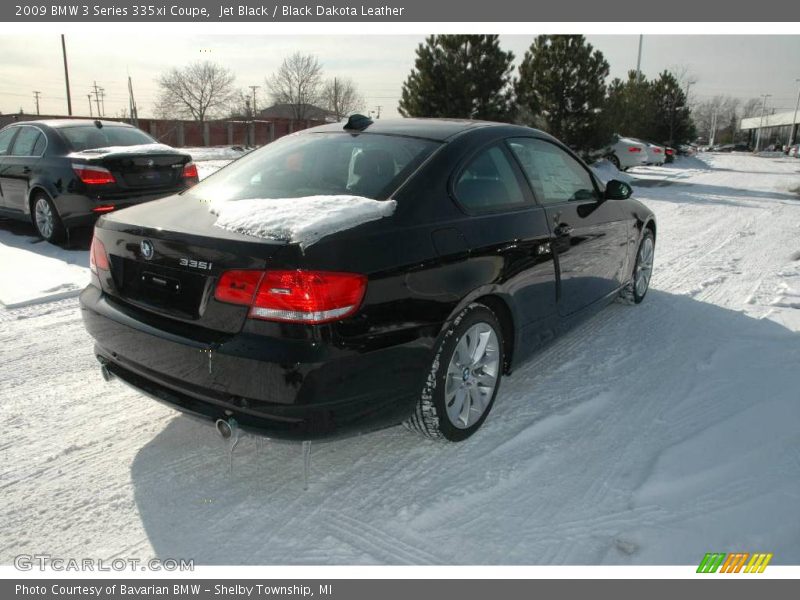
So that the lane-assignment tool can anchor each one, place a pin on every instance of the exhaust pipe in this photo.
(104, 370)
(226, 428)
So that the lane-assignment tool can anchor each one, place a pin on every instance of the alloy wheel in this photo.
(472, 375)
(644, 266)
(44, 218)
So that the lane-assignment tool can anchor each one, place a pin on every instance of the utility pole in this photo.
(97, 97)
(639, 59)
(89, 96)
(378, 111)
(103, 101)
(66, 75)
(761, 122)
(688, 85)
(713, 133)
(132, 102)
(793, 135)
(36, 97)
(254, 88)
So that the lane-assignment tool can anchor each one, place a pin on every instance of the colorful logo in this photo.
(734, 563)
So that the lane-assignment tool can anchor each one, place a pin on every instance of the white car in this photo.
(656, 155)
(626, 153)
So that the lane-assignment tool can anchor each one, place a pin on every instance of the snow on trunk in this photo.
(136, 149)
(303, 220)
(605, 172)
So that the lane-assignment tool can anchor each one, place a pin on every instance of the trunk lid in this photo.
(143, 168)
(166, 258)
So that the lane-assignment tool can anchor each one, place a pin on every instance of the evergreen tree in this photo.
(561, 89)
(630, 107)
(463, 76)
(673, 120)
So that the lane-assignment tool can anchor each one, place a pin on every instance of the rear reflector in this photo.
(93, 175)
(103, 208)
(189, 171)
(98, 259)
(634, 149)
(311, 297)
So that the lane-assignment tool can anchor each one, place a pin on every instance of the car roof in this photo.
(62, 123)
(432, 129)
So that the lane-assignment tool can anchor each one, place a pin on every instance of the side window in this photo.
(5, 140)
(39, 147)
(489, 183)
(554, 175)
(26, 141)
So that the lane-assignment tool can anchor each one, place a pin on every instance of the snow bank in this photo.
(135, 149)
(605, 171)
(300, 220)
(34, 272)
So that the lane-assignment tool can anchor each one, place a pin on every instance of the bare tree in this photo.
(342, 98)
(197, 91)
(298, 83)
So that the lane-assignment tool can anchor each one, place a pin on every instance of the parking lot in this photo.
(680, 435)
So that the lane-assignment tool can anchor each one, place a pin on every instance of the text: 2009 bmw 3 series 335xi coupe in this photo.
(348, 278)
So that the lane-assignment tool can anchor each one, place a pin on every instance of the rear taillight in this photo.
(634, 149)
(657, 150)
(189, 171)
(98, 259)
(103, 208)
(669, 151)
(92, 175)
(299, 296)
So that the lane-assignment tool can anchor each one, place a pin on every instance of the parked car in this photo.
(60, 174)
(493, 238)
(625, 153)
(655, 153)
(669, 154)
(793, 151)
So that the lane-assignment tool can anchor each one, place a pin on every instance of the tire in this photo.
(614, 161)
(636, 289)
(462, 385)
(46, 219)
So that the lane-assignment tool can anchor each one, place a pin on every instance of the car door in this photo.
(6, 140)
(20, 165)
(507, 232)
(589, 235)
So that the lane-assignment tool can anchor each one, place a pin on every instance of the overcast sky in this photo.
(740, 66)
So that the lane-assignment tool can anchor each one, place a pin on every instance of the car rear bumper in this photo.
(313, 391)
(78, 209)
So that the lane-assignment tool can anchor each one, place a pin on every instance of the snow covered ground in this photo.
(647, 435)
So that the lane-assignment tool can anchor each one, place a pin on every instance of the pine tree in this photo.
(630, 108)
(561, 89)
(459, 76)
(673, 120)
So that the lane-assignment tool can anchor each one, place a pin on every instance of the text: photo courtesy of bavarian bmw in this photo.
(500, 237)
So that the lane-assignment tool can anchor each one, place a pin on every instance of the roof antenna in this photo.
(98, 123)
(358, 122)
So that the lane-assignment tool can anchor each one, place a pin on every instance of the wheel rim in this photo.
(472, 375)
(44, 218)
(644, 266)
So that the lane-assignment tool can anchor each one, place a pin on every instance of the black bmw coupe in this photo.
(64, 173)
(500, 237)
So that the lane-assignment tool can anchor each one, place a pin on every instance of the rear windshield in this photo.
(368, 165)
(89, 137)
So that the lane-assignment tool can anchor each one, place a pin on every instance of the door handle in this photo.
(563, 230)
(26, 170)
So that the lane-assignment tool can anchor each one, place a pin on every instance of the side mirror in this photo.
(618, 190)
